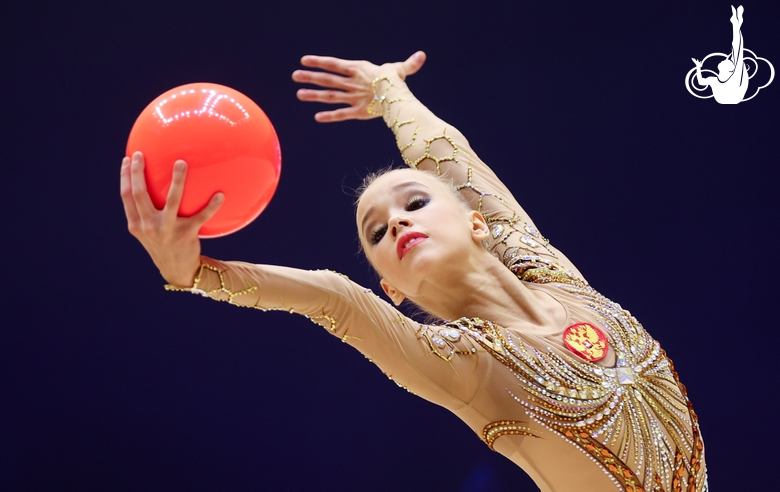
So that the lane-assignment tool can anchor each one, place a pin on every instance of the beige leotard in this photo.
(572, 425)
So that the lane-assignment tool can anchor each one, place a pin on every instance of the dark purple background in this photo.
(667, 203)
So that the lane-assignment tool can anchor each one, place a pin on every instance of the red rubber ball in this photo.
(229, 146)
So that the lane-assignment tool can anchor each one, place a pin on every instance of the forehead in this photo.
(400, 180)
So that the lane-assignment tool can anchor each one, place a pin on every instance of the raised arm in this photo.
(428, 143)
(430, 361)
(699, 78)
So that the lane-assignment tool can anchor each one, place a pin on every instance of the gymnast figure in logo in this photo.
(731, 84)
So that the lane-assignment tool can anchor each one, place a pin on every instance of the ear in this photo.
(394, 294)
(479, 227)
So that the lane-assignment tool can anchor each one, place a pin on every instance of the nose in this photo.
(397, 223)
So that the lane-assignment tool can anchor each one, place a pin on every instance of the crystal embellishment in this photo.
(452, 335)
(528, 240)
(625, 375)
(498, 230)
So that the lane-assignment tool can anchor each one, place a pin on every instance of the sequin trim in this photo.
(494, 430)
(633, 420)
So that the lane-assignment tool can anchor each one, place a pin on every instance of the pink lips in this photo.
(408, 241)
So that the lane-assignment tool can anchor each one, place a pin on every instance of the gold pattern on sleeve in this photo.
(379, 105)
(214, 293)
(325, 321)
(505, 227)
(402, 386)
(494, 430)
(427, 154)
(513, 240)
(223, 293)
(510, 233)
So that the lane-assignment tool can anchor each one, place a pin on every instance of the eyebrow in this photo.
(405, 184)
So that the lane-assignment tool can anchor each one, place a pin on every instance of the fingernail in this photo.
(220, 198)
(179, 166)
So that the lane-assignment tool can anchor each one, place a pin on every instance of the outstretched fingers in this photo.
(413, 64)
(209, 210)
(176, 190)
(138, 185)
(341, 114)
(327, 96)
(128, 202)
(349, 82)
(324, 79)
(329, 63)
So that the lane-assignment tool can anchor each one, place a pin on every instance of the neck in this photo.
(483, 287)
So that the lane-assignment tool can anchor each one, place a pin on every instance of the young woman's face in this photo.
(410, 224)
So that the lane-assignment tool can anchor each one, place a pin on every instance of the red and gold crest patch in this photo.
(586, 340)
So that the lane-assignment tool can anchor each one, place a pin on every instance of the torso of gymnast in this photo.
(545, 370)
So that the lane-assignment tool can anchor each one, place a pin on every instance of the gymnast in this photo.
(731, 84)
(562, 381)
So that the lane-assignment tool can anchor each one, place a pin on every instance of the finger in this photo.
(209, 210)
(138, 184)
(342, 114)
(126, 191)
(177, 188)
(329, 63)
(330, 97)
(323, 79)
(414, 63)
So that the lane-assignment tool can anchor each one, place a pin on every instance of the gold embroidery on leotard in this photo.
(222, 289)
(506, 228)
(223, 293)
(634, 420)
(494, 430)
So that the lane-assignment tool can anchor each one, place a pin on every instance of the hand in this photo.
(697, 62)
(171, 241)
(349, 84)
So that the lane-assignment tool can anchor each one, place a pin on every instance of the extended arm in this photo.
(416, 356)
(428, 143)
(701, 80)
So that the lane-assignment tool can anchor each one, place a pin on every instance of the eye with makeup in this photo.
(415, 203)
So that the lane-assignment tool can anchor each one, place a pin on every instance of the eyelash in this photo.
(414, 203)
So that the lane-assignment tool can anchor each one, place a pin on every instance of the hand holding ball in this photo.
(229, 146)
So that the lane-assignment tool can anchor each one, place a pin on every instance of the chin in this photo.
(431, 265)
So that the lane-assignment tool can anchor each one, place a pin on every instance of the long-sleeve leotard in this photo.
(433, 362)
(571, 424)
(428, 143)
(404, 349)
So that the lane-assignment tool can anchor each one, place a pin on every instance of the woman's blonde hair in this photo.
(369, 179)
